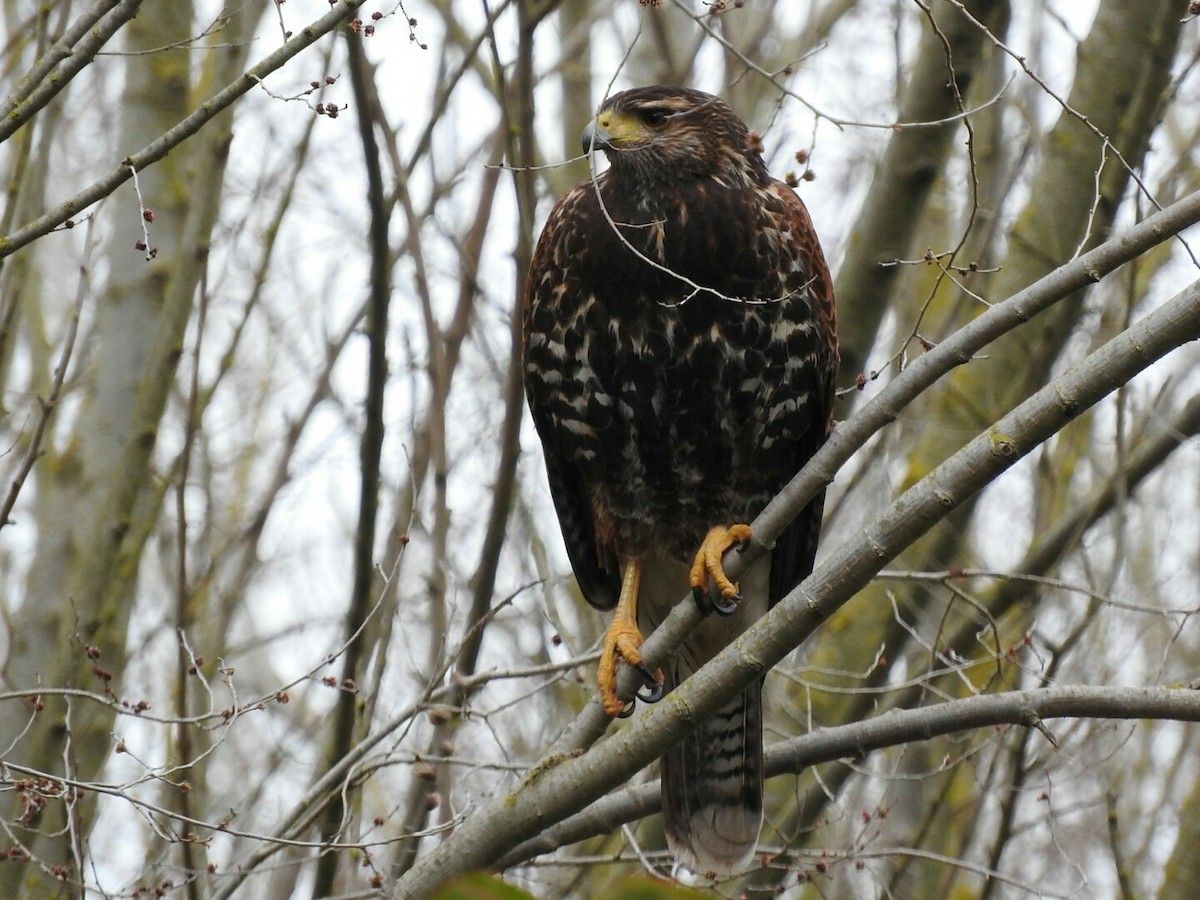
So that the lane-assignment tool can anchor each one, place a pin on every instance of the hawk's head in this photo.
(669, 134)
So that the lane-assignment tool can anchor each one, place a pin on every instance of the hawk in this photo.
(679, 362)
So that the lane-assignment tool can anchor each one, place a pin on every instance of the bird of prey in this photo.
(679, 362)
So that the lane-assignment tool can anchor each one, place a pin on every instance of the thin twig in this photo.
(50, 403)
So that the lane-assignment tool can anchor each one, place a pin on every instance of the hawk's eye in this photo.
(655, 117)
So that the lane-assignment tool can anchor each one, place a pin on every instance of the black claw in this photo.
(653, 695)
(713, 602)
(628, 710)
(647, 676)
(651, 690)
(725, 607)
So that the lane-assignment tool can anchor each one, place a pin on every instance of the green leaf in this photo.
(642, 887)
(481, 886)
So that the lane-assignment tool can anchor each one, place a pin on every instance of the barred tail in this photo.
(712, 786)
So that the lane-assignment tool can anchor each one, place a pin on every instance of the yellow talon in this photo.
(622, 641)
(708, 559)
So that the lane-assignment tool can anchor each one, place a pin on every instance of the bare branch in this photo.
(562, 785)
(91, 31)
(154, 151)
(892, 729)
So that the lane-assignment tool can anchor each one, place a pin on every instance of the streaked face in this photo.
(664, 129)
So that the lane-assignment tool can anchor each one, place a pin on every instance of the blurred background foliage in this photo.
(225, 674)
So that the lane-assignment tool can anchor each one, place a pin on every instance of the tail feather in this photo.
(712, 789)
(712, 780)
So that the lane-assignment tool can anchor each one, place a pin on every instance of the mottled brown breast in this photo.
(679, 363)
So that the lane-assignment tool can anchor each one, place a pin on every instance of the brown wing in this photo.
(556, 306)
(806, 272)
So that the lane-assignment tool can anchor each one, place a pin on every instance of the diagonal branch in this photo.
(901, 726)
(565, 782)
(92, 30)
(848, 437)
(50, 403)
(154, 151)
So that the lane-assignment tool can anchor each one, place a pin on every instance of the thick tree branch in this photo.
(562, 784)
(901, 726)
(850, 436)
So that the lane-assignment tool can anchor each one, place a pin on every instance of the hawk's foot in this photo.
(622, 641)
(707, 568)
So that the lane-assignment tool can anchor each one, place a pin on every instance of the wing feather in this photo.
(560, 422)
(804, 269)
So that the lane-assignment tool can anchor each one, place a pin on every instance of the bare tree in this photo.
(285, 609)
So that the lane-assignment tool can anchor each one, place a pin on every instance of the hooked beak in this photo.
(596, 137)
